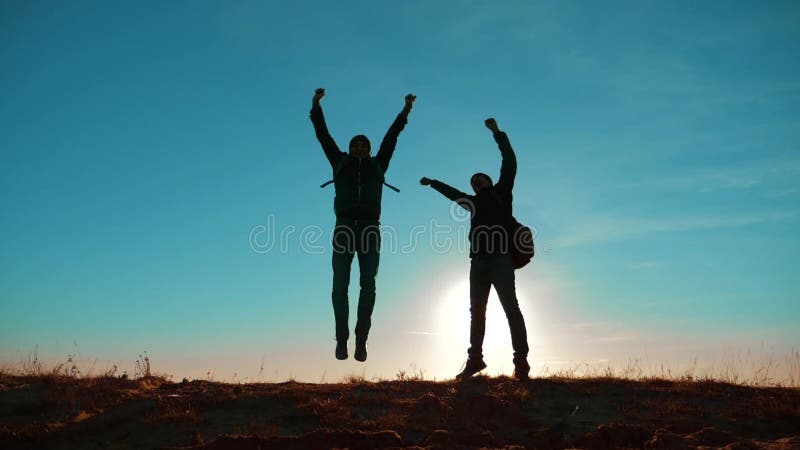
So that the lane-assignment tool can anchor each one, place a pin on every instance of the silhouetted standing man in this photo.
(358, 178)
(492, 263)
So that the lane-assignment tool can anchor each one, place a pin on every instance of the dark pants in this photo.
(497, 270)
(351, 238)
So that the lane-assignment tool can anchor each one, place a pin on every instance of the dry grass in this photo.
(329, 410)
(68, 369)
(583, 407)
(172, 412)
(259, 427)
(414, 374)
(737, 367)
(744, 368)
(390, 420)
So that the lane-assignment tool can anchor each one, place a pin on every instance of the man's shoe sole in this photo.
(358, 355)
(462, 376)
(341, 356)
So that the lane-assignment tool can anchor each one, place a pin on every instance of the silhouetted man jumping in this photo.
(358, 178)
(492, 264)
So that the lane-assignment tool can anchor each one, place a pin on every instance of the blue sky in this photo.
(141, 144)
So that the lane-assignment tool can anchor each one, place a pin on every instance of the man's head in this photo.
(480, 181)
(359, 146)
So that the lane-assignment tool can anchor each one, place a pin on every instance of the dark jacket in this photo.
(358, 182)
(491, 208)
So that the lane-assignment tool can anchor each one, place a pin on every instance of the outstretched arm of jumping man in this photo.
(321, 129)
(462, 198)
(508, 167)
(389, 142)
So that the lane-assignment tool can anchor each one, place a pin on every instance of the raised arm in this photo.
(462, 198)
(508, 167)
(321, 129)
(389, 142)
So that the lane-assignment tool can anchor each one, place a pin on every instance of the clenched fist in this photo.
(491, 124)
(318, 94)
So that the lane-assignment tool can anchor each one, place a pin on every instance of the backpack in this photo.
(338, 169)
(522, 246)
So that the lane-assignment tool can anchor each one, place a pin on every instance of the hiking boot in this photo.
(472, 367)
(341, 349)
(361, 350)
(521, 370)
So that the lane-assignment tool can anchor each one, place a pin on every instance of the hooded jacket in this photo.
(358, 181)
(491, 208)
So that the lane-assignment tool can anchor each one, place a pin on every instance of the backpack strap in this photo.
(383, 177)
(338, 168)
(391, 187)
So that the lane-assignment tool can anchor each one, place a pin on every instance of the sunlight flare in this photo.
(454, 325)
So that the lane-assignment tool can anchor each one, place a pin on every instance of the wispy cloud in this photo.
(600, 332)
(613, 338)
(786, 192)
(572, 326)
(645, 264)
(712, 180)
(603, 229)
(423, 333)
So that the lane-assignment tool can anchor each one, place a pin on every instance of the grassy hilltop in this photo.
(61, 411)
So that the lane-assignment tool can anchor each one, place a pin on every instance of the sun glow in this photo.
(454, 325)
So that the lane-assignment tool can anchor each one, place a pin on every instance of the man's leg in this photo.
(479, 286)
(504, 282)
(368, 260)
(343, 251)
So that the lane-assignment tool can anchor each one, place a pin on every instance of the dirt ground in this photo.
(549, 413)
